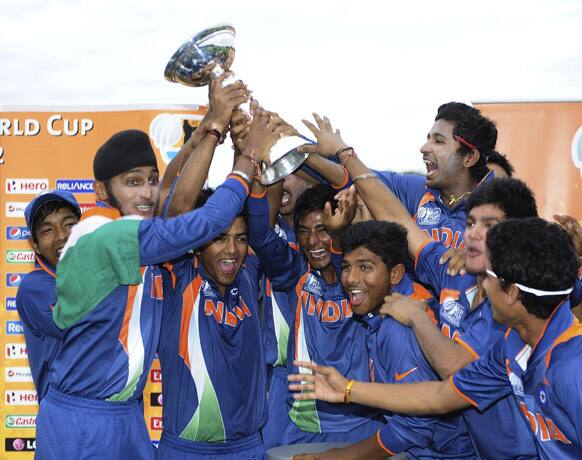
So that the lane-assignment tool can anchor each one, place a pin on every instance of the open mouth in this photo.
(473, 252)
(59, 250)
(145, 208)
(357, 296)
(318, 254)
(227, 266)
(431, 169)
(285, 198)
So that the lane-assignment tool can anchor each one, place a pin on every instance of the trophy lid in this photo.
(283, 166)
(203, 57)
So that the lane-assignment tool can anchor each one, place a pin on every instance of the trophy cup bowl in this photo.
(205, 56)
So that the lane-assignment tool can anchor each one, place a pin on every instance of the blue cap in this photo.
(46, 197)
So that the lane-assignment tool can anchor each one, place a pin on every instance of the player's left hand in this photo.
(336, 221)
(402, 308)
(331, 454)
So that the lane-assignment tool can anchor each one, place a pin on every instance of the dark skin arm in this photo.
(193, 160)
(424, 398)
(368, 449)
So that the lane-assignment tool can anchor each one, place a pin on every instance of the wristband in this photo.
(365, 176)
(340, 151)
(219, 136)
(348, 155)
(244, 175)
(348, 391)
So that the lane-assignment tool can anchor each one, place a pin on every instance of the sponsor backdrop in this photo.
(543, 140)
(43, 150)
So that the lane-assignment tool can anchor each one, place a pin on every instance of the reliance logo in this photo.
(14, 328)
(75, 185)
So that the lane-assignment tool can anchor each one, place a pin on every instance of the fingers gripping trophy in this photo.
(207, 56)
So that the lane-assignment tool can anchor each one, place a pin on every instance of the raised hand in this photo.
(265, 130)
(336, 221)
(240, 122)
(324, 383)
(329, 141)
(222, 100)
(402, 308)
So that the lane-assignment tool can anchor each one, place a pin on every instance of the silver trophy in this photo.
(206, 56)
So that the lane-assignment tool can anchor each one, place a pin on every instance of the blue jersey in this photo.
(111, 308)
(576, 295)
(545, 380)
(396, 357)
(475, 330)
(439, 221)
(323, 329)
(35, 300)
(211, 356)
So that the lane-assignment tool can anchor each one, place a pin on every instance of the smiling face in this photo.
(439, 153)
(223, 257)
(134, 192)
(479, 220)
(314, 240)
(366, 279)
(52, 233)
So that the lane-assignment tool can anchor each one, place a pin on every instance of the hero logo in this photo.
(428, 216)
(86, 206)
(15, 208)
(17, 233)
(18, 374)
(14, 256)
(156, 375)
(13, 279)
(20, 444)
(10, 303)
(15, 351)
(20, 421)
(14, 327)
(26, 186)
(156, 423)
(21, 398)
(75, 185)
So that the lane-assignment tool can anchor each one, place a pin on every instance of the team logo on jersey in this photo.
(20, 444)
(17, 233)
(516, 384)
(542, 396)
(280, 232)
(13, 279)
(208, 291)
(452, 311)
(313, 285)
(428, 216)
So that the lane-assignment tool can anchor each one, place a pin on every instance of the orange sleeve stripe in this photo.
(449, 294)
(241, 180)
(462, 395)
(425, 199)
(420, 292)
(259, 195)
(422, 246)
(382, 444)
(334, 251)
(467, 347)
(345, 182)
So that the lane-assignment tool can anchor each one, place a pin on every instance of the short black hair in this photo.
(206, 193)
(499, 159)
(512, 196)
(472, 126)
(537, 254)
(46, 210)
(313, 199)
(385, 239)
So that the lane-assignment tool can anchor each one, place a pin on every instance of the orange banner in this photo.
(543, 141)
(42, 150)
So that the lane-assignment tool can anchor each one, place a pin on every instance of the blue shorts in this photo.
(171, 447)
(90, 429)
(278, 411)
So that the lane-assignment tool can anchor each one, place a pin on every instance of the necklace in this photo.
(453, 200)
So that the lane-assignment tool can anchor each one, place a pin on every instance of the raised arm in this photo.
(194, 159)
(381, 202)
